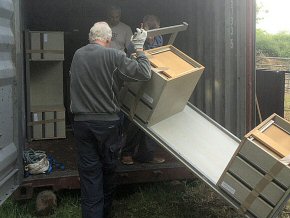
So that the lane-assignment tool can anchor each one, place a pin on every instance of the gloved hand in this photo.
(139, 38)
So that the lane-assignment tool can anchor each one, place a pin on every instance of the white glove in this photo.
(139, 38)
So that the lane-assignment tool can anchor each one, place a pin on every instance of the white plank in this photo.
(197, 140)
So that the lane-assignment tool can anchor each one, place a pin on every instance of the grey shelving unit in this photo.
(44, 80)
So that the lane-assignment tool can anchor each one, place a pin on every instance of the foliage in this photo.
(164, 201)
(69, 206)
(188, 199)
(273, 45)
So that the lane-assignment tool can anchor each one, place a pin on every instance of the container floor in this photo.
(64, 151)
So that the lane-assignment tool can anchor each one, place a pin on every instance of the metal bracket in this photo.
(173, 30)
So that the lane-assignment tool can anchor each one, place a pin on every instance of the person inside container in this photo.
(96, 76)
(121, 32)
(149, 22)
(138, 146)
(152, 22)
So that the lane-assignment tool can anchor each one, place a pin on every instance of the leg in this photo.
(147, 149)
(90, 171)
(133, 134)
(109, 136)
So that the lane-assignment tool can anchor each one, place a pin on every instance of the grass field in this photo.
(159, 200)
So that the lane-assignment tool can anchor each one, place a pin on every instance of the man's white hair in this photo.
(100, 31)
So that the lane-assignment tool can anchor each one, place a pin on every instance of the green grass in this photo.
(162, 200)
(68, 207)
(156, 200)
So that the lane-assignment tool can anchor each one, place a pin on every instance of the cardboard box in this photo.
(46, 45)
(47, 122)
(174, 77)
(258, 175)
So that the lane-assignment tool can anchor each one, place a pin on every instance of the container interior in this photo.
(206, 40)
(217, 37)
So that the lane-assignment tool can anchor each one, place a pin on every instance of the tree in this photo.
(273, 45)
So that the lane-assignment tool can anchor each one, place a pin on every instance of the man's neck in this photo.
(101, 43)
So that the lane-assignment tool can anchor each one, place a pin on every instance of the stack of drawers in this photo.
(174, 77)
(258, 176)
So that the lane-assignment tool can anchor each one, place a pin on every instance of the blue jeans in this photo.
(98, 143)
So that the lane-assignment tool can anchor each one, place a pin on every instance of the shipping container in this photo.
(220, 36)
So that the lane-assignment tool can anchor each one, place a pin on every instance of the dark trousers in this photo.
(97, 148)
(138, 144)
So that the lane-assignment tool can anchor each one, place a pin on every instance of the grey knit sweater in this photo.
(97, 75)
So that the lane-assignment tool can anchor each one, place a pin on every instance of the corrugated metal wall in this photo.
(9, 125)
(218, 37)
(221, 47)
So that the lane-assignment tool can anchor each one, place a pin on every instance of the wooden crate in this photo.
(258, 175)
(174, 77)
(45, 45)
(47, 122)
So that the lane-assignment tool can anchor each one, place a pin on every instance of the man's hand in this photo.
(139, 38)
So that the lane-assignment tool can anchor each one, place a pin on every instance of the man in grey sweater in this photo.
(97, 75)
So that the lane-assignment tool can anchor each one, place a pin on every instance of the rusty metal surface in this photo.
(56, 181)
(70, 179)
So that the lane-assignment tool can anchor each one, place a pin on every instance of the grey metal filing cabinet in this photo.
(44, 78)
(258, 175)
(174, 77)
